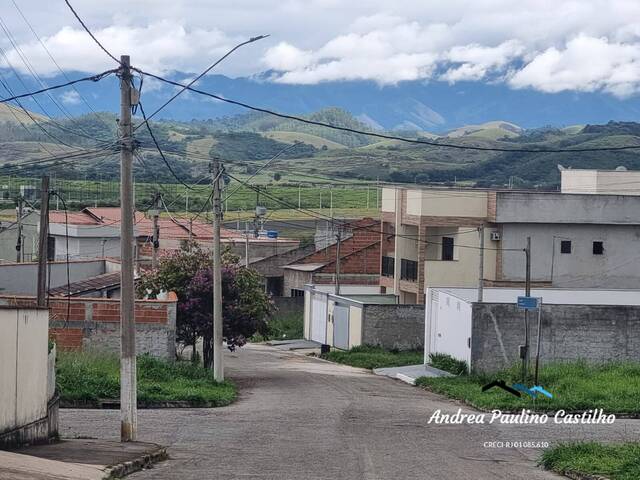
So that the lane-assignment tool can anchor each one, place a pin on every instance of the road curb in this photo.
(583, 476)
(145, 461)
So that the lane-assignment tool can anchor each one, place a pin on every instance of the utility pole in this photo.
(299, 195)
(481, 265)
(19, 239)
(128, 384)
(339, 240)
(43, 253)
(218, 367)
(246, 247)
(331, 202)
(156, 232)
(190, 232)
(524, 354)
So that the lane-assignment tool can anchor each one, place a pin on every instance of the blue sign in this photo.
(528, 303)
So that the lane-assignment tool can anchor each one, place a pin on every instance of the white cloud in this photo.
(550, 45)
(70, 97)
(584, 64)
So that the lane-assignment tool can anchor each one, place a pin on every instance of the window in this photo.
(297, 293)
(565, 246)
(447, 248)
(51, 248)
(598, 248)
(408, 270)
(388, 264)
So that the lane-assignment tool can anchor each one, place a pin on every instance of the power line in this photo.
(155, 141)
(92, 78)
(342, 224)
(44, 46)
(75, 14)
(207, 70)
(382, 135)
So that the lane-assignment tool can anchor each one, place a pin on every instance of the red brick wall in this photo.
(100, 311)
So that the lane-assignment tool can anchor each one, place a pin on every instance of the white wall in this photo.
(618, 267)
(23, 366)
(447, 325)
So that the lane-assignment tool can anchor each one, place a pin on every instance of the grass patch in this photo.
(371, 357)
(448, 363)
(614, 387)
(87, 377)
(285, 326)
(615, 461)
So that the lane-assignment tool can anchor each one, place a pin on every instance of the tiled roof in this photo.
(91, 284)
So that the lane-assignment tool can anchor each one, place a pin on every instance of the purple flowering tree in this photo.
(188, 273)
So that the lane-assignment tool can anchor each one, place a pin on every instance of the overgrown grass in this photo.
(576, 386)
(85, 377)
(283, 326)
(448, 363)
(367, 356)
(614, 461)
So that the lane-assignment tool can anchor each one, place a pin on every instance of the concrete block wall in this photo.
(595, 333)
(393, 326)
(94, 323)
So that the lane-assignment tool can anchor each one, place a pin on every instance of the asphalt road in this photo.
(303, 418)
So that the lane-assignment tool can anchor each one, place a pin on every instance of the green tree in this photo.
(188, 273)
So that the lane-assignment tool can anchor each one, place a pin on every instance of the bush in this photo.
(449, 364)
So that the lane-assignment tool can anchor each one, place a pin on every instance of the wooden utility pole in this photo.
(128, 384)
(339, 240)
(481, 265)
(218, 367)
(19, 255)
(43, 253)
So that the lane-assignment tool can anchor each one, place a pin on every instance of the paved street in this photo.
(303, 418)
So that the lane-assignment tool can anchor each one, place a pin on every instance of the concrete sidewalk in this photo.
(411, 373)
(78, 460)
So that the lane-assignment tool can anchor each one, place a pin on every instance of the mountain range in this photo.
(408, 106)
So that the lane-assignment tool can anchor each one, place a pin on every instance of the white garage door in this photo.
(319, 318)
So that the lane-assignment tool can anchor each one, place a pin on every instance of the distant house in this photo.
(359, 262)
(95, 233)
(9, 238)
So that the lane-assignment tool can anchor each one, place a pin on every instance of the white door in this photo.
(319, 318)
(453, 327)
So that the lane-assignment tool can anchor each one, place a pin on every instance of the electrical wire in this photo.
(75, 14)
(44, 46)
(66, 235)
(155, 141)
(92, 78)
(382, 135)
(342, 225)
(207, 70)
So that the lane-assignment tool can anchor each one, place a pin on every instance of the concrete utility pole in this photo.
(481, 265)
(524, 354)
(299, 195)
(339, 240)
(156, 231)
(128, 384)
(246, 244)
(43, 253)
(19, 239)
(218, 367)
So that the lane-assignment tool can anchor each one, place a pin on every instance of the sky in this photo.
(549, 46)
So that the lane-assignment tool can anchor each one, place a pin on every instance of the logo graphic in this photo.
(516, 388)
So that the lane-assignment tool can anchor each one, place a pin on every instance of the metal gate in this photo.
(319, 318)
(341, 326)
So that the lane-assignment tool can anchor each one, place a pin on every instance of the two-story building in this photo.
(578, 240)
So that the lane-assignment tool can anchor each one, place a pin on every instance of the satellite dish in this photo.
(621, 168)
